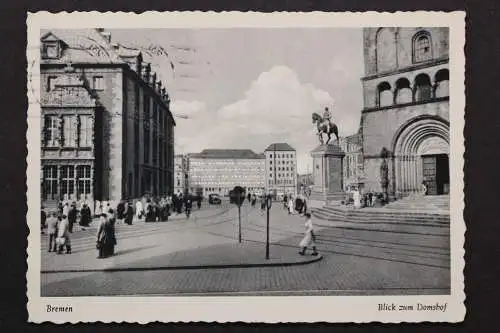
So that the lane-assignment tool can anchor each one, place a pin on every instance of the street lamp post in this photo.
(268, 206)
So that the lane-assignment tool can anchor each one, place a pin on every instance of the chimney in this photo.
(158, 87)
(153, 80)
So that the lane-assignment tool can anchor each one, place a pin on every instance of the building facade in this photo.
(181, 174)
(220, 170)
(281, 168)
(405, 120)
(352, 173)
(107, 130)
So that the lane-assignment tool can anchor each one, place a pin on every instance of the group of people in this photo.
(297, 204)
(159, 209)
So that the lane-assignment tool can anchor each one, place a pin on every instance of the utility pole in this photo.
(268, 206)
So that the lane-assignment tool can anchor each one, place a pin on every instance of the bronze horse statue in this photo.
(325, 126)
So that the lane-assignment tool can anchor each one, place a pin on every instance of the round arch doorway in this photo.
(421, 153)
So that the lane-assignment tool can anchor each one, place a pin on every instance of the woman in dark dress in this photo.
(106, 239)
(85, 216)
(129, 214)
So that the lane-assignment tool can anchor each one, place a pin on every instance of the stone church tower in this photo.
(405, 119)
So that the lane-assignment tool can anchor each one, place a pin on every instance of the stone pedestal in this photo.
(328, 185)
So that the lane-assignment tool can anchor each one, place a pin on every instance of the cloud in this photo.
(276, 108)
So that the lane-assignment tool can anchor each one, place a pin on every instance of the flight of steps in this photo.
(420, 202)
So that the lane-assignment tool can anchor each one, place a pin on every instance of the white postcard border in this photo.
(248, 308)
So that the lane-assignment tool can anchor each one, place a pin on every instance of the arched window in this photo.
(403, 91)
(386, 50)
(442, 83)
(384, 94)
(423, 89)
(422, 47)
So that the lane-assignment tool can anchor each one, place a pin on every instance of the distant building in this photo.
(220, 170)
(405, 121)
(107, 130)
(281, 168)
(352, 172)
(181, 173)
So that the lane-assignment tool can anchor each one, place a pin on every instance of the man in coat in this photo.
(72, 216)
(52, 222)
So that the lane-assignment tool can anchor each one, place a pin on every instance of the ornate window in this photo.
(84, 180)
(67, 180)
(422, 48)
(384, 94)
(50, 181)
(70, 131)
(86, 131)
(51, 131)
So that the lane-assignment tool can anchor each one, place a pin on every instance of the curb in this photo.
(189, 267)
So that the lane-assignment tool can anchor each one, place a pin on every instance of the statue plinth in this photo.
(328, 185)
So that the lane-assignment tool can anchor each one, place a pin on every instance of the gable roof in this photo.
(280, 147)
(227, 154)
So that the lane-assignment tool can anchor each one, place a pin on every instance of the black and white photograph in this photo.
(249, 161)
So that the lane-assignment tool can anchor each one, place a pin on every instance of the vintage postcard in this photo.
(279, 167)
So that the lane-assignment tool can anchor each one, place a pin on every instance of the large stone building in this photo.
(107, 130)
(220, 170)
(352, 172)
(405, 119)
(281, 168)
(181, 173)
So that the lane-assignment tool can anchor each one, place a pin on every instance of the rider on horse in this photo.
(327, 120)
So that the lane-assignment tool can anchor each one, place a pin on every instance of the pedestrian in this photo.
(65, 210)
(72, 216)
(120, 211)
(262, 204)
(138, 209)
(285, 201)
(309, 239)
(52, 222)
(85, 216)
(370, 198)
(106, 239)
(43, 220)
(254, 200)
(63, 239)
(357, 199)
(129, 213)
(290, 205)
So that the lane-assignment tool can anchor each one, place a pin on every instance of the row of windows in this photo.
(282, 168)
(66, 180)
(422, 89)
(282, 156)
(224, 163)
(68, 131)
(282, 162)
(281, 182)
(97, 83)
(280, 175)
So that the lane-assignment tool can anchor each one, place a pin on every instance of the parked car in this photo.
(214, 199)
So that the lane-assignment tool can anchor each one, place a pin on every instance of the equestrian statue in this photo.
(325, 125)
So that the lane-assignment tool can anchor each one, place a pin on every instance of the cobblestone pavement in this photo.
(355, 261)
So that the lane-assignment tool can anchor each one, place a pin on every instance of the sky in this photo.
(249, 87)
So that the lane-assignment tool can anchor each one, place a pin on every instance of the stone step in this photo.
(389, 215)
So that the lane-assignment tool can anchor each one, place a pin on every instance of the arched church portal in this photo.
(421, 152)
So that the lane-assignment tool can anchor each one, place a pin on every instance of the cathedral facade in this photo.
(405, 119)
